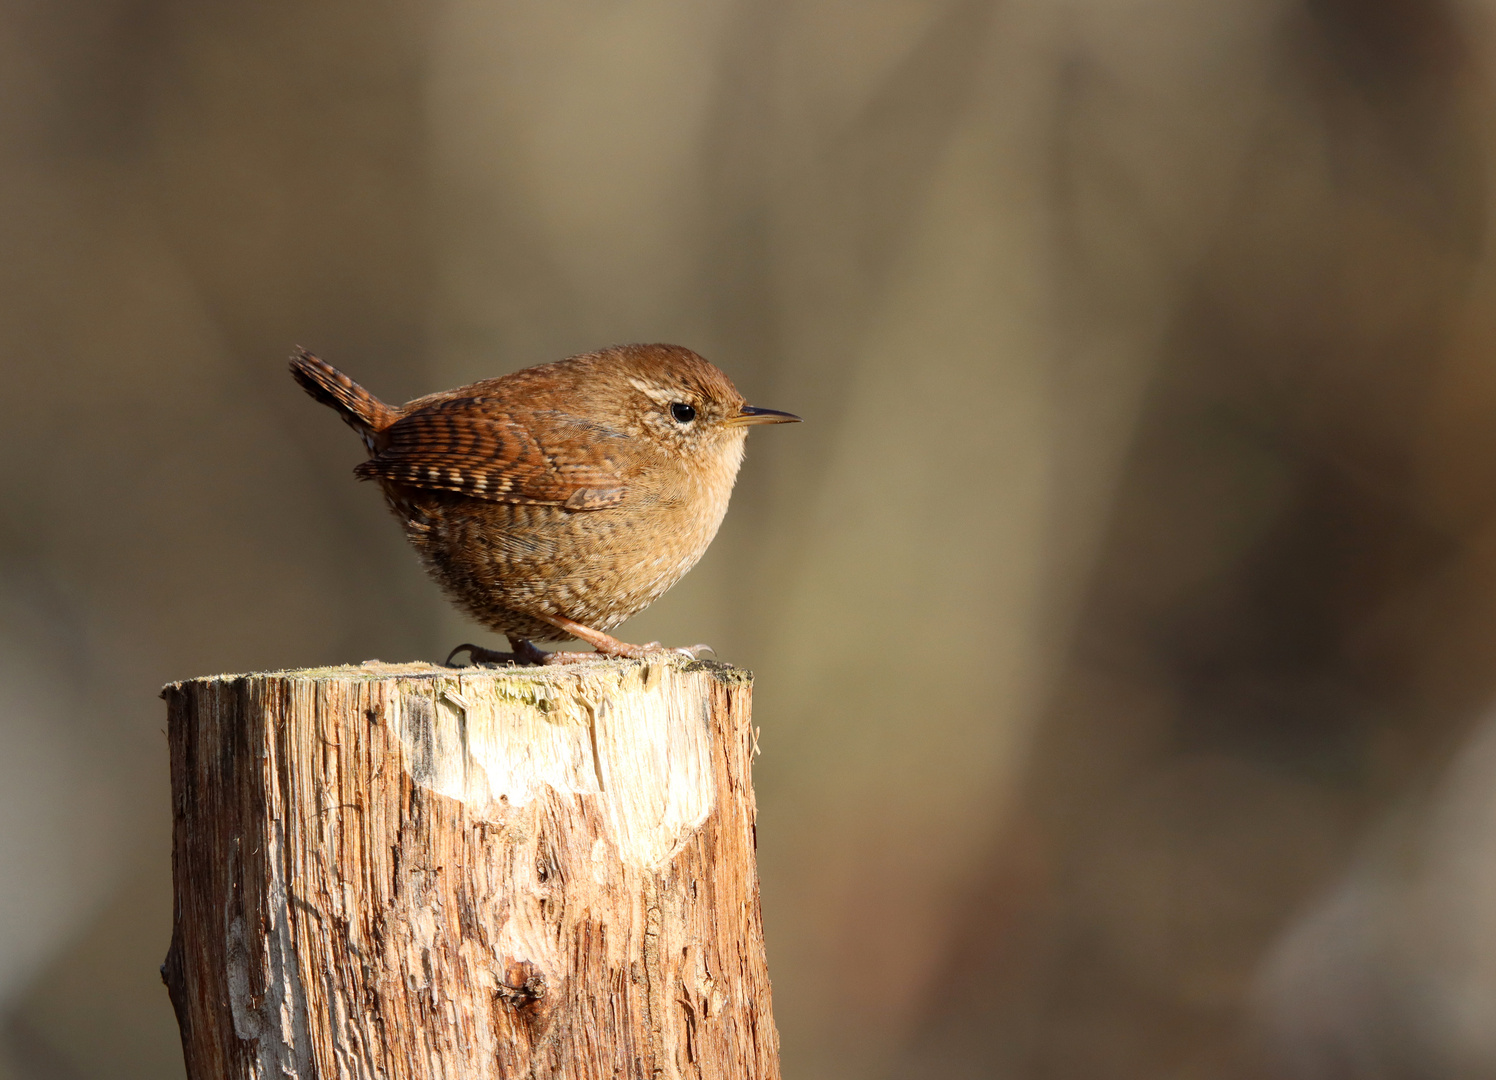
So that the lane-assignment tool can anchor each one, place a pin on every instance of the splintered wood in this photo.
(409, 872)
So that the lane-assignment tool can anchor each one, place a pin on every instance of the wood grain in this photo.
(403, 871)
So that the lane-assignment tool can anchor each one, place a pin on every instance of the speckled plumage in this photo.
(571, 491)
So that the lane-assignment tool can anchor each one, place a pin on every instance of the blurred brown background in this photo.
(1124, 617)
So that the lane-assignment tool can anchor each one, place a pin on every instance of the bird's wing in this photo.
(479, 448)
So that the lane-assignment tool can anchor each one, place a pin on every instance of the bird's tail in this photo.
(364, 412)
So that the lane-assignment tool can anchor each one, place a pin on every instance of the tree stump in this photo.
(402, 871)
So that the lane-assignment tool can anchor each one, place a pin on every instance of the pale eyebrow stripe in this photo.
(654, 393)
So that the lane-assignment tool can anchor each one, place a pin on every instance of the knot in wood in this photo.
(525, 985)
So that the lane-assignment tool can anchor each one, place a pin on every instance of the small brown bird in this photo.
(558, 501)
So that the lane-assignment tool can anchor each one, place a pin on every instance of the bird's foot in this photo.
(527, 653)
(609, 647)
(477, 654)
(524, 653)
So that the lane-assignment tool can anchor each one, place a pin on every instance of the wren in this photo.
(557, 501)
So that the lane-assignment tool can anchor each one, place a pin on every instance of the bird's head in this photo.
(678, 401)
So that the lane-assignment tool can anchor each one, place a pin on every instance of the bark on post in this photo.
(410, 872)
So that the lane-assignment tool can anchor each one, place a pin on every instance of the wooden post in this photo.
(409, 872)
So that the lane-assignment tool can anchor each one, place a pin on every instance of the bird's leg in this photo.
(524, 653)
(607, 645)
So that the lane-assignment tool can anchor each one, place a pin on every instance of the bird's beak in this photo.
(750, 415)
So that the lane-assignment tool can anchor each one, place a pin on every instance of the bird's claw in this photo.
(474, 653)
(524, 653)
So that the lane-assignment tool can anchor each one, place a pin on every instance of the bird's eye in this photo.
(682, 412)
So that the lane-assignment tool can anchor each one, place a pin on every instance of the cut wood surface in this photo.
(410, 872)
